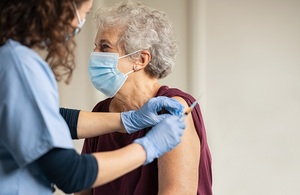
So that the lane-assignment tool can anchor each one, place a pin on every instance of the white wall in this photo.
(253, 95)
(244, 57)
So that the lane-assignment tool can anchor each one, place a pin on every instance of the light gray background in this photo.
(244, 56)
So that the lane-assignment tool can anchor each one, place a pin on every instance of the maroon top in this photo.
(144, 180)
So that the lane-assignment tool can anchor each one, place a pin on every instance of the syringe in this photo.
(190, 109)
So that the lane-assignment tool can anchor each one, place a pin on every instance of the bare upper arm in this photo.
(178, 169)
(84, 192)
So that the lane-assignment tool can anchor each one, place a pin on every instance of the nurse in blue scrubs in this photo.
(35, 134)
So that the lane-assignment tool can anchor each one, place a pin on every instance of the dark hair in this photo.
(44, 24)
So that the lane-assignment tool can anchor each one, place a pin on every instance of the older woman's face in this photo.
(107, 41)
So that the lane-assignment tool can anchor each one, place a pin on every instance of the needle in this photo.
(191, 107)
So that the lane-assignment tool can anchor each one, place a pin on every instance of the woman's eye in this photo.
(104, 46)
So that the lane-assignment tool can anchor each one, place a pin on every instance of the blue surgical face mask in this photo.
(104, 73)
(80, 21)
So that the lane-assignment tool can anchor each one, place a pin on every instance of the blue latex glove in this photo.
(162, 137)
(148, 116)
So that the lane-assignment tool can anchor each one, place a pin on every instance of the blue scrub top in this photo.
(30, 122)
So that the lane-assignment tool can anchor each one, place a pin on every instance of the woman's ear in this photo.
(145, 58)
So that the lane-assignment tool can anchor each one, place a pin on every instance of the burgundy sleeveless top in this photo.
(144, 180)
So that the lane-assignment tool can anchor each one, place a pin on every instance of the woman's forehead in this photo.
(111, 33)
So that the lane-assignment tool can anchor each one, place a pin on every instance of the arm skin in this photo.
(110, 168)
(84, 192)
(132, 156)
(91, 124)
(178, 169)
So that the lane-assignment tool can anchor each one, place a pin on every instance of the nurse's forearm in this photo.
(72, 172)
(91, 124)
(114, 164)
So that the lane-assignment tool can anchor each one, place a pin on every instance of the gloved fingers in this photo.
(175, 109)
(174, 120)
(160, 118)
(171, 126)
(170, 104)
(149, 114)
(181, 122)
(162, 137)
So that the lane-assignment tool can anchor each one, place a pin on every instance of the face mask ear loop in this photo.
(80, 22)
(129, 54)
(129, 72)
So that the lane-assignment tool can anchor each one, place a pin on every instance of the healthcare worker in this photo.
(35, 143)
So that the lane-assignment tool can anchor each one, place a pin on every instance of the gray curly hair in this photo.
(144, 28)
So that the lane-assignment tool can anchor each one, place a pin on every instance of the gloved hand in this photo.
(148, 116)
(162, 137)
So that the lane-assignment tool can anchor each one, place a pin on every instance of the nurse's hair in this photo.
(42, 24)
(142, 28)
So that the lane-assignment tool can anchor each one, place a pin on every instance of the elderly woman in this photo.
(134, 48)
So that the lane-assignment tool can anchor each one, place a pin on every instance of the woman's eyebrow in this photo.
(105, 41)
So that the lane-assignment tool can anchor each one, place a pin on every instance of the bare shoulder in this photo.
(175, 175)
